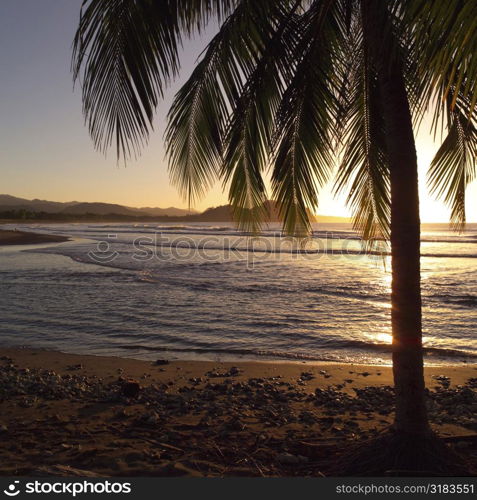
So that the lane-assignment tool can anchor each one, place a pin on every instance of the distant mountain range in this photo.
(8, 202)
(21, 208)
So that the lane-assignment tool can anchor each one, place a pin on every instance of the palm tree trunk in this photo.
(406, 315)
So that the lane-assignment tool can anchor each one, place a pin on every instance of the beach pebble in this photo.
(160, 362)
(233, 371)
(121, 413)
(78, 366)
(472, 382)
(235, 424)
(151, 418)
(289, 459)
(443, 380)
(131, 388)
(27, 402)
(134, 456)
(307, 417)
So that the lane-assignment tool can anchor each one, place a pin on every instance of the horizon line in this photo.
(316, 214)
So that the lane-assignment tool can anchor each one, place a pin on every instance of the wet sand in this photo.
(117, 417)
(8, 237)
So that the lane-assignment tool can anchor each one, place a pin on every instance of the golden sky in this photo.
(45, 150)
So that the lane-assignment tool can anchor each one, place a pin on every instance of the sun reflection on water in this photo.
(382, 338)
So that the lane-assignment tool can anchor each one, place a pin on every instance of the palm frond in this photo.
(126, 53)
(454, 165)
(364, 169)
(249, 134)
(199, 117)
(444, 38)
(196, 122)
(444, 45)
(279, 84)
(306, 119)
(194, 15)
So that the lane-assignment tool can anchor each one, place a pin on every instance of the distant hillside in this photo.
(12, 207)
(98, 209)
(170, 211)
(8, 202)
(223, 213)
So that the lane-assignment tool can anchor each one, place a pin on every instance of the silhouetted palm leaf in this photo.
(454, 165)
(364, 168)
(283, 84)
(444, 35)
(127, 53)
(249, 134)
(306, 118)
(200, 114)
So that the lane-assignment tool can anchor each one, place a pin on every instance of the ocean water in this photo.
(206, 291)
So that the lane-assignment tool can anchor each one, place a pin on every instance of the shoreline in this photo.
(14, 237)
(104, 363)
(230, 358)
(111, 416)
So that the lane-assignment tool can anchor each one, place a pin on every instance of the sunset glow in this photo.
(40, 110)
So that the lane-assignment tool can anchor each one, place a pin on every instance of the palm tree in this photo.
(289, 87)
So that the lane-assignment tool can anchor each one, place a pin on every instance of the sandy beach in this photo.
(8, 237)
(68, 414)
